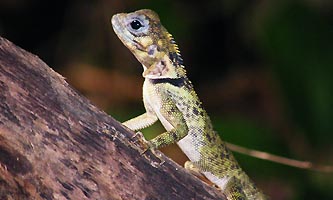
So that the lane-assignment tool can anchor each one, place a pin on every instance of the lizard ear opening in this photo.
(163, 69)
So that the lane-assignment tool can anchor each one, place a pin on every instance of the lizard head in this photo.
(143, 34)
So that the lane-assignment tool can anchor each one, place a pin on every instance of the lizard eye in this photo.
(136, 24)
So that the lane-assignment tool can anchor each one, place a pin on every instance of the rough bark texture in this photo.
(55, 145)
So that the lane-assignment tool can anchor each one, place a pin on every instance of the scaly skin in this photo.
(169, 96)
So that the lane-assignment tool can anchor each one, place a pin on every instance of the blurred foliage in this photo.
(262, 68)
(299, 41)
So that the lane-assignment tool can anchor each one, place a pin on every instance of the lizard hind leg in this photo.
(195, 170)
(233, 189)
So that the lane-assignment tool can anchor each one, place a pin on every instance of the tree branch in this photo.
(55, 145)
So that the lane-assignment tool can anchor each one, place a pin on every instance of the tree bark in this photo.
(54, 144)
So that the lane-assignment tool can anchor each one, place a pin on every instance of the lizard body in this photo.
(168, 96)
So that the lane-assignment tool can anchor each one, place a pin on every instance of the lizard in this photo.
(169, 96)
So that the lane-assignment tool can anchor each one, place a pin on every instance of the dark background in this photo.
(263, 70)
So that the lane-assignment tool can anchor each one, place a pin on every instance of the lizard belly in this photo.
(190, 150)
(189, 144)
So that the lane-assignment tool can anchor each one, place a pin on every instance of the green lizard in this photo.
(168, 95)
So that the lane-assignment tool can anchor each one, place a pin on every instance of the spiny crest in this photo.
(174, 52)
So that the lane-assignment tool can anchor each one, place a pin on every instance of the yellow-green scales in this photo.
(168, 96)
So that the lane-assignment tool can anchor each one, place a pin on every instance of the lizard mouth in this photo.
(119, 27)
(120, 30)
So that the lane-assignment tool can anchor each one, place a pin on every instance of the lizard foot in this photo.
(158, 155)
(140, 139)
(193, 169)
(147, 146)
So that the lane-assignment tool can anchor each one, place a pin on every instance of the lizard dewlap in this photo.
(168, 96)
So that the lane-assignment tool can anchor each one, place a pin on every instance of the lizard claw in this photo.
(159, 156)
(141, 140)
(138, 134)
(147, 146)
(143, 151)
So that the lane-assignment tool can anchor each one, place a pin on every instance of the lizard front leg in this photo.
(164, 139)
(169, 137)
(141, 121)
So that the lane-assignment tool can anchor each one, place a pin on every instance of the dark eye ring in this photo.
(136, 24)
